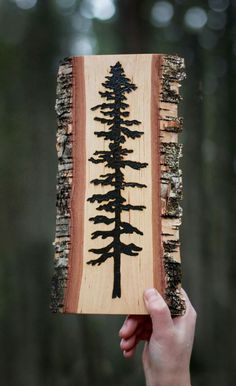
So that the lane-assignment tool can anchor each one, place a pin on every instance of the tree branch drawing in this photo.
(115, 113)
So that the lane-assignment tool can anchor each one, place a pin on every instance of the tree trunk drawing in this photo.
(115, 113)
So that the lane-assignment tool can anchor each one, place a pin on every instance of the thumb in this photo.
(159, 312)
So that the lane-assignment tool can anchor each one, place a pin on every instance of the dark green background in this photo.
(36, 347)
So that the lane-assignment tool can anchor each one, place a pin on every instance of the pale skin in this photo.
(169, 341)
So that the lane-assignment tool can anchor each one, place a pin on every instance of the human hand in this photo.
(167, 352)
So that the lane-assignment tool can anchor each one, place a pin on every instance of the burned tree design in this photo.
(115, 113)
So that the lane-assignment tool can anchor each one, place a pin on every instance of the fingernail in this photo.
(121, 333)
(150, 292)
(123, 327)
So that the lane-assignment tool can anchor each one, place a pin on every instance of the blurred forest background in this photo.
(38, 348)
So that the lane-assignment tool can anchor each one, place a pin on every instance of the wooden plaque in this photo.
(118, 184)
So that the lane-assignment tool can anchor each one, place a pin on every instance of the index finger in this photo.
(189, 318)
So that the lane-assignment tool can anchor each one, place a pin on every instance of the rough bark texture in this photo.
(64, 182)
(171, 178)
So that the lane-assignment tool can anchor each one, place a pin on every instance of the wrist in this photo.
(169, 380)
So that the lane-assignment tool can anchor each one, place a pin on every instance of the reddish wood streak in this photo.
(158, 269)
(78, 188)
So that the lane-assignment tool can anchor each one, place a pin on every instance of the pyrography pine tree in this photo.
(115, 113)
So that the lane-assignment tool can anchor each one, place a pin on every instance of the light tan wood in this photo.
(136, 271)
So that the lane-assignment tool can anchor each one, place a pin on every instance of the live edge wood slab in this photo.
(119, 184)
